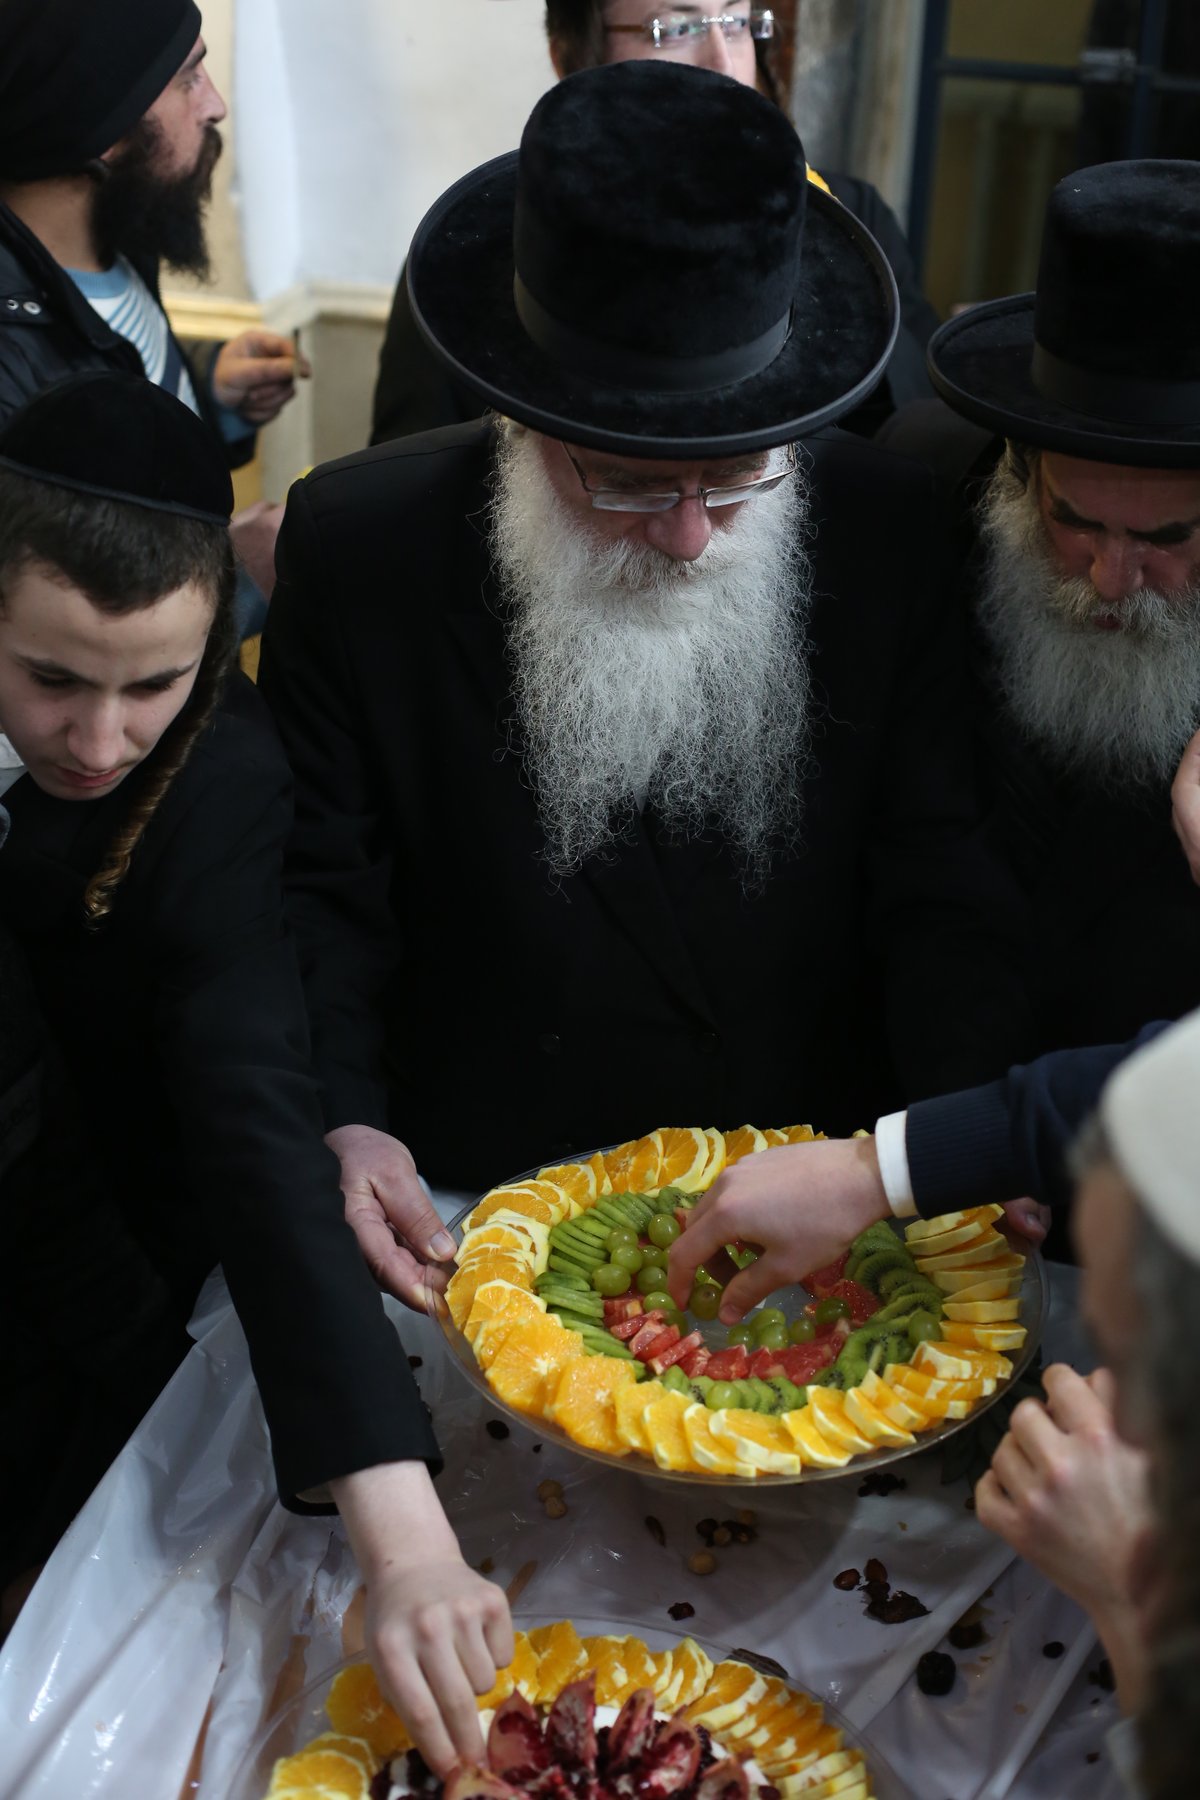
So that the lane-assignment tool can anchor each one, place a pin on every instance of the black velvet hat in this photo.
(76, 75)
(1103, 361)
(653, 273)
(122, 438)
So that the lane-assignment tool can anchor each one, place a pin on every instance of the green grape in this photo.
(627, 1256)
(739, 1334)
(802, 1330)
(706, 1300)
(775, 1337)
(662, 1230)
(622, 1234)
(829, 1310)
(653, 1256)
(658, 1298)
(676, 1318)
(648, 1278)
(610, 1280)
(921, 1328)
(766, 1320)
(721, 1393)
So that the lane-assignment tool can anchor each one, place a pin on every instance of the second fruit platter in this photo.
(559, 1304)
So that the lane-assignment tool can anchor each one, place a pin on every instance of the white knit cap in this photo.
(1150, 1109)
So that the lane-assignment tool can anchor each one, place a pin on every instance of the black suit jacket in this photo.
(1115, 915)
(497, 1020)
(413, 392)
(182, 1022)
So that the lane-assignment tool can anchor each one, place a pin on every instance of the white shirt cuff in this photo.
(891, 1147)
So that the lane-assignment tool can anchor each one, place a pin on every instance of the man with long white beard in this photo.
(626, 723)
(1077, 490)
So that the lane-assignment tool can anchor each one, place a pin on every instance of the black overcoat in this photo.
(1115, 915)
(497, 1020)
(181, 1020)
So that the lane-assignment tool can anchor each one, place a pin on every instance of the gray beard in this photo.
(1115, 706)
(640, 680)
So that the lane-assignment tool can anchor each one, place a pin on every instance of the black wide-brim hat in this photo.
(653, 273)
(1103, 360)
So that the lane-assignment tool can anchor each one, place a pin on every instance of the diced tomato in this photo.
(676, 1353)
(824, 1281)
(765, 1365)
(625, 1306)
(861, 1301)
(696, 1362)
(802, 1361)
(729, 1365)
(667, 1336)
(651, 1329)
(629, 1328)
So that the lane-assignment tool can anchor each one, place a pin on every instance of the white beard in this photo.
(1115, 706)
(642, 680)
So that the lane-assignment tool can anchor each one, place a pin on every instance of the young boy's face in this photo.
(85, 695)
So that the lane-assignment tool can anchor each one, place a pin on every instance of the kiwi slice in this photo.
(879, 1261)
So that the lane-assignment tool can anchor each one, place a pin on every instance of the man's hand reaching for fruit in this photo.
(800, 1204)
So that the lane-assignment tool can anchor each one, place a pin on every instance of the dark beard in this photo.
(142, 215)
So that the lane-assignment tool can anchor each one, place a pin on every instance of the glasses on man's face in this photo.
(780, 465)
(678, 29)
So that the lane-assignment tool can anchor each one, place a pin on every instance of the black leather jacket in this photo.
(48, 332)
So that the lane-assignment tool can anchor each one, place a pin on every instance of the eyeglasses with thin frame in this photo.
(623, 500)
(665, 29)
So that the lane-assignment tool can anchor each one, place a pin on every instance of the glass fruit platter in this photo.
(736, 1695)
(558, 1315)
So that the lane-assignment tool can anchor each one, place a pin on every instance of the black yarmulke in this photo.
(76, 75)
(123, 438)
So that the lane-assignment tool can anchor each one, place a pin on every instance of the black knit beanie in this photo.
(123, 438)
(76, 75)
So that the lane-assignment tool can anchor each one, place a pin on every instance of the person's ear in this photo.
(558, 57)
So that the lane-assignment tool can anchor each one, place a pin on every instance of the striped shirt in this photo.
(127, 306)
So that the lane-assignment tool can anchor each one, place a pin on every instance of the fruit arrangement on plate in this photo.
(592, 1718)
(559, 1293)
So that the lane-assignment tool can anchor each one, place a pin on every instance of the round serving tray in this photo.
(1035, 1302)
(304, 1717)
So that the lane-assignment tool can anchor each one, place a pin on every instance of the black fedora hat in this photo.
(1103, 361)
(653, 273)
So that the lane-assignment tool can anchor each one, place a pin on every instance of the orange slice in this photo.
(816, 1450)
(783, 1734)
(319, 1772)
(983, 1312)
(872, 1423)
(960, 1362)
(576, 1180)
(356, 1747)
(633, 1167)
(583, 1402)
(538, 1199)
(496, 1237)
(716, 1156)
(747, 1140)
(757, 1438)
(895, 1405)
(757, 1719)
(828, 1407)
(985, 1337)
(775, 1138)
(464, 1284)
(356, 1708)
(999, 1276)
(920, 1229)
(733, 1687)
(709, 1452)
(801, 1134)
(501, 1300)
(816, 1740)
(632, 1405)
(684, 1674)
(950, 1240)
(500, 1689)
(527, 1365)
(523, 1669)
(561, 1657)
(664, 1427)
(983, 1250)
(919, 1381)
(622, 1665)
(683, 1152)
(835, 1775)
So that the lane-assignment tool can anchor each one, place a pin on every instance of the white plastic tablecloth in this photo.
(184, 1601)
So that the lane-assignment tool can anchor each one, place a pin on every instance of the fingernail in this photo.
(443, 1246)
